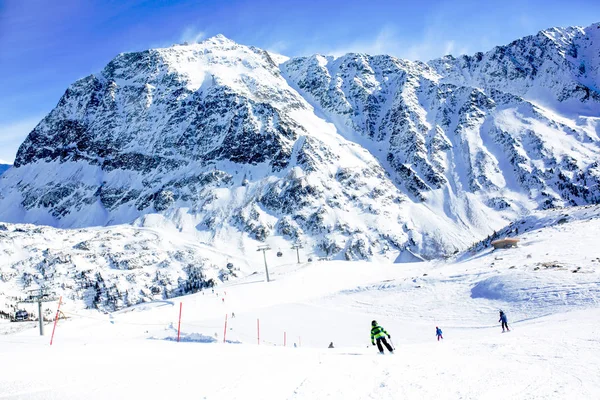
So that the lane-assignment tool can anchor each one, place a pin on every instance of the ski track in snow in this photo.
(552, 351)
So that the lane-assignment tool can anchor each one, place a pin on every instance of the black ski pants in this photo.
(505, 325)
(380, 347)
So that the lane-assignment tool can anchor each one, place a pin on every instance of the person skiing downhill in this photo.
(379, 334)
(504, 321)
(438, 333)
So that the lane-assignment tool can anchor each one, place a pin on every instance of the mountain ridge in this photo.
(359, 156)
(533, 58)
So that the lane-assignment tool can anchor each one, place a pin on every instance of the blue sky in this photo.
(46, 45)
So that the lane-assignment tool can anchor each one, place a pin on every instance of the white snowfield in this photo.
(552, 352)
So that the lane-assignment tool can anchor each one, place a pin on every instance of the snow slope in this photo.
(549, 286)
(4, 168)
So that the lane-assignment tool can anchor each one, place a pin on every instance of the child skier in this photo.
(438, 333)
(504, 321)
(379, 334)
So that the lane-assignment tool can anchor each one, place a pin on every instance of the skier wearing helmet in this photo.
(379, 334)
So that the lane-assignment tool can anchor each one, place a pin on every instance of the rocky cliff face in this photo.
(359, 157)
(558, 67)
(437, 135)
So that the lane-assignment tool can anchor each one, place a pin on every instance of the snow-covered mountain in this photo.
(160, 174)
(106, 268)
(359, 157)
(4, 168)
(558, 67)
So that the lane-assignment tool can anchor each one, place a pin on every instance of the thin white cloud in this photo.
(449, 47)
(278, 47)
(12, 134)
(384, 42)
(191, 34)
(431, 45)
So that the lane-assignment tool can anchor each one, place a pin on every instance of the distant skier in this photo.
(379, 334)
(330, 345)
(438, 333)
(232, 314)
(504, 321)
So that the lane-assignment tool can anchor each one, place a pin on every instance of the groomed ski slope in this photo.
(553, 351)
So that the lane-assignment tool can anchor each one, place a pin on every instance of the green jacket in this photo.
(378, 332)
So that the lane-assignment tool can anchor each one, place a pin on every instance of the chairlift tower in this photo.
(39, 296)
(264, 249)
(297, 246)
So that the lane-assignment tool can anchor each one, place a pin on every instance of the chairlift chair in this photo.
(21, 315)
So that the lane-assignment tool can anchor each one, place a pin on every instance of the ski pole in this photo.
(392, 343)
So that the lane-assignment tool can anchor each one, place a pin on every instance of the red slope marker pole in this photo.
(258, 330)
(55, 320)
(225, 330)
(179, 324)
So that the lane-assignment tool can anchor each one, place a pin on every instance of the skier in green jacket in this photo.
(379, 334)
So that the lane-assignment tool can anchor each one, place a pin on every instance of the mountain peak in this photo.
(219, 40)
(216, 128)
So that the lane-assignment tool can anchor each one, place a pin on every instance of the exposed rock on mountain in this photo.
(360, 157)
(558, 67)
